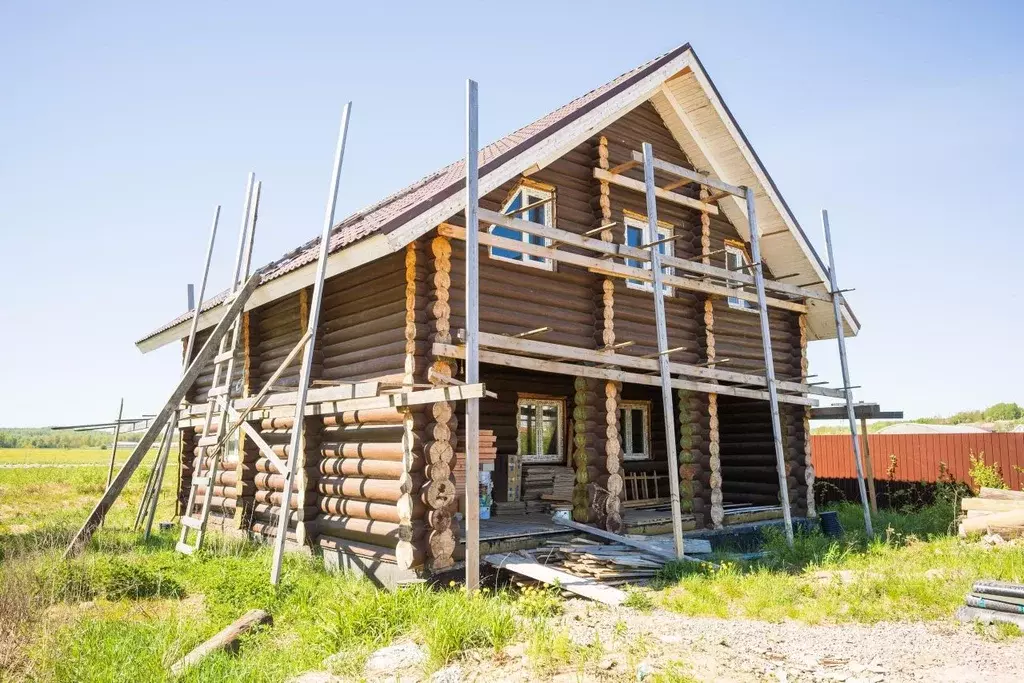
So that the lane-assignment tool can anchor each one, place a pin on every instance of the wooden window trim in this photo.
(546, 192)
(543, 400)
(738, 248)
(633, 220)
(630, 453)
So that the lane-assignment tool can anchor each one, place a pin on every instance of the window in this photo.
(635, 429)
(736, 260)
(540, 429)
(530, 198)
(636, 231)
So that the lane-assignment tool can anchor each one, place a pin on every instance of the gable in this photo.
(404, 216)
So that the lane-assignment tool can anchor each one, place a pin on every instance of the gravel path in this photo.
(741, 650)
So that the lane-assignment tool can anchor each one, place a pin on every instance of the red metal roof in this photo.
(404, 205)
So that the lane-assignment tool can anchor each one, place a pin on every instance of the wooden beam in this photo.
(624, 540)
(397, 400)
(561, 368)
(472, 365)
(673, 197)
(527, 566)
(227, 639)
(609, 268)
(625, 251)
(265, 448)
(692, 176)
(575, 353)
(142, 448)
(661, 331)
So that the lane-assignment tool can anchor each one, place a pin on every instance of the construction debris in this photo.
(525, 564)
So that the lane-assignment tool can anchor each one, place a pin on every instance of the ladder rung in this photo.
(207, 441)
(201, 481)
(226, 356)
(184, 548)
(219, 391)
(191, 522)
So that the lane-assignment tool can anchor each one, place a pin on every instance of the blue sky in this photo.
(122, 126)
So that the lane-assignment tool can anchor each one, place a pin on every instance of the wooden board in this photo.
(616, 538)
(526, 566)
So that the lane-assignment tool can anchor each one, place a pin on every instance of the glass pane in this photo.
(634, 236)
(502, 231)
(622, 429)
(527, 428)
(549, 430)
(516, 203)
(639, 438)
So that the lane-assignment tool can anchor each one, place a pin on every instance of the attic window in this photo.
(736, 260)
(531, 203)
(636, 230)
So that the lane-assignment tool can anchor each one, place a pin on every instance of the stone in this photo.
(395, 658)
(449, 674)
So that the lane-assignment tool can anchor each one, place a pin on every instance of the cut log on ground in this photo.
(225, 640)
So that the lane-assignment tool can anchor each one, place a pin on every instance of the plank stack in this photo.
(544, 484)
(488, 454)
(993, 511)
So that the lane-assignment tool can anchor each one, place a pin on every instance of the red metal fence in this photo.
(917, 456)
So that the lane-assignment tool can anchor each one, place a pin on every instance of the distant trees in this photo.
(49, 438)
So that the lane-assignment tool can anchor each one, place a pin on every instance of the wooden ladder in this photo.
(211, 447)
(212, 442)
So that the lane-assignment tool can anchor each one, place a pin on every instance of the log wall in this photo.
(380, 482)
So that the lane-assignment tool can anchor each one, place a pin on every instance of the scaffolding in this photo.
(518, 351)
(598, 256)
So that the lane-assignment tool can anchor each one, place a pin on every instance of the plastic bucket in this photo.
(830, 524)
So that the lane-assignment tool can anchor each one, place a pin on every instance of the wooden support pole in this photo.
(307, 356)
(869, 468)
(113, 447)
(150, 499)
(769, 365)
(142, 448)
(472, 444)
(663, 362)
(837, 300)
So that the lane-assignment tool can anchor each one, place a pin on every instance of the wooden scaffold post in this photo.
(147, 507)
(663, 350)
(837, 303)
(472, 339)
(307, 357)
(769, 364)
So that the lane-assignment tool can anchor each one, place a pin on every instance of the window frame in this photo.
(734, 248)
(628, 445)
(541, 192)
(665, 231)
(537, 458)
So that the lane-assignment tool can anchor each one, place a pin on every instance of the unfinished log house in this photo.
(567, 338)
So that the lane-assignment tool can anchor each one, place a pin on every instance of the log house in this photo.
(567, 336)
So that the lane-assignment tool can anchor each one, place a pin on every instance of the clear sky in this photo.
(122, 125)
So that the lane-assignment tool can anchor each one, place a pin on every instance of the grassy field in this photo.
(126, 610)
(58, 456)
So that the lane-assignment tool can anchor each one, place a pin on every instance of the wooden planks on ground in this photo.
(227, 639)
(616, 538)
(522, 563)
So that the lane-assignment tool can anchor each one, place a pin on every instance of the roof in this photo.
(433, 194)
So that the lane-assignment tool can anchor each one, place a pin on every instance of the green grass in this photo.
(913, 571)
(44, 506)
